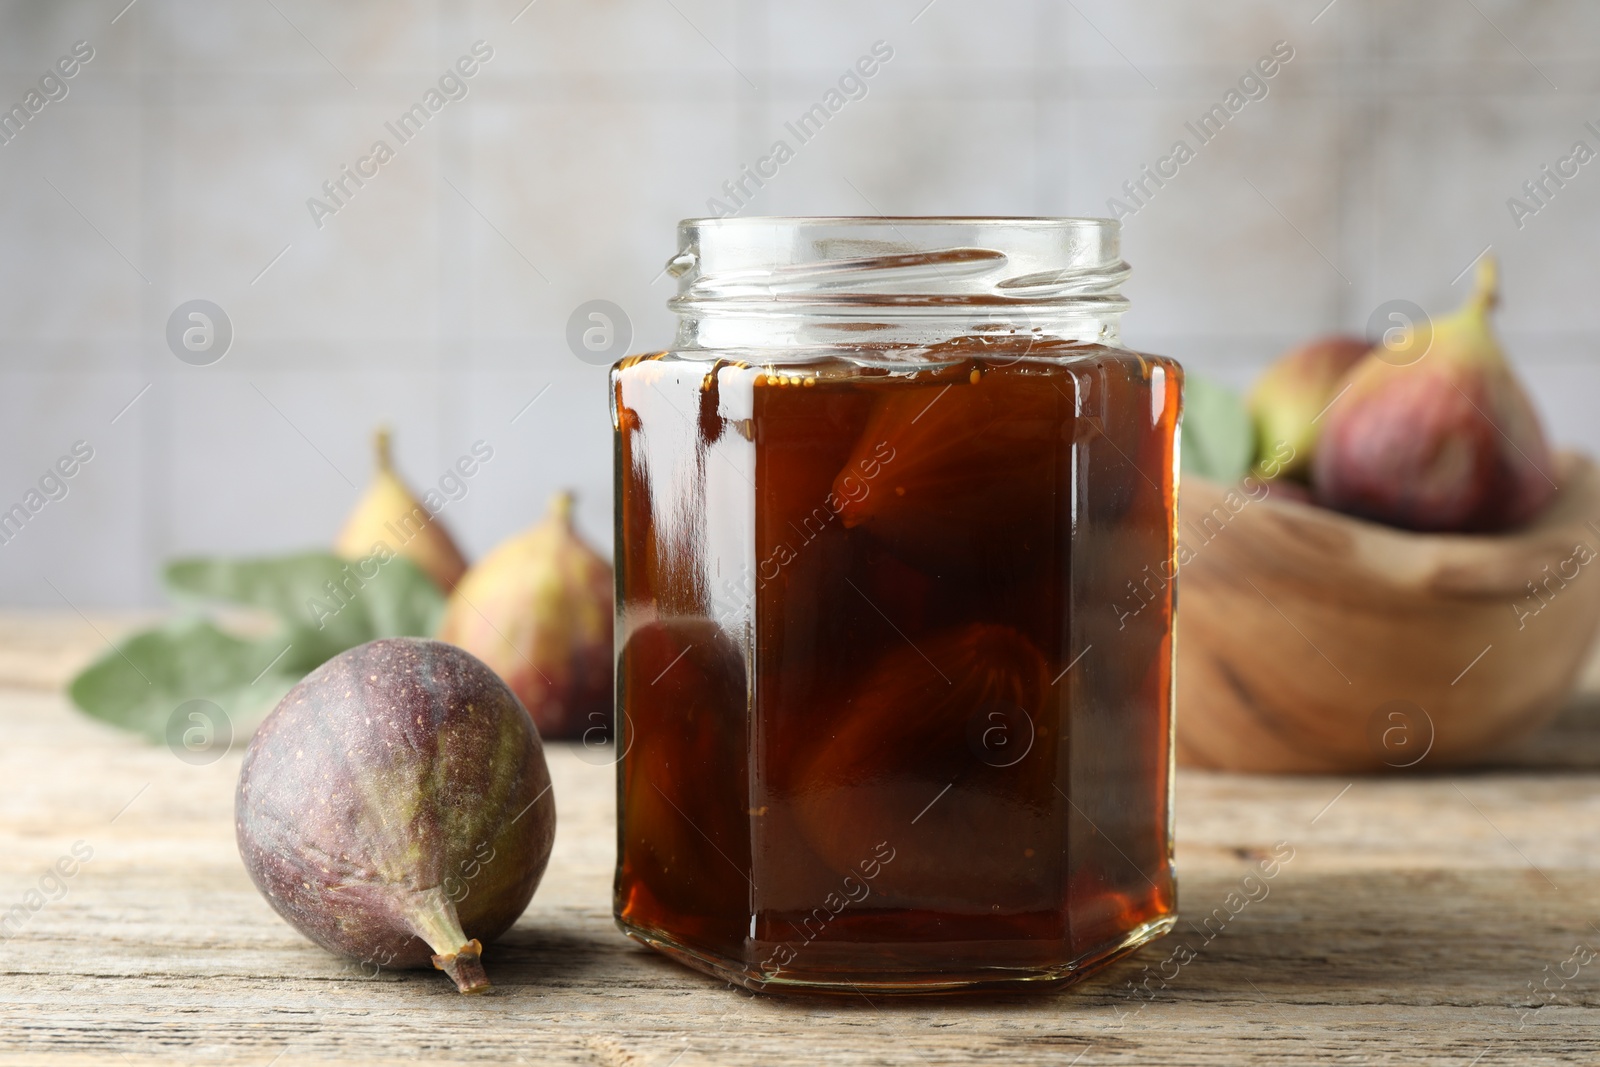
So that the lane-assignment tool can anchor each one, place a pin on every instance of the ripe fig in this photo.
(1443, 439)
(393, 807)
(538, 610)
(1294, 391)
(388, 513)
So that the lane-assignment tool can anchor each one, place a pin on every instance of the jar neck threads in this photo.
(895, 283)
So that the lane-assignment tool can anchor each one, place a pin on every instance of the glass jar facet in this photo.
(895, 597)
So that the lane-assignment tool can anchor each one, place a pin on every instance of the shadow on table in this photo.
(565, 955)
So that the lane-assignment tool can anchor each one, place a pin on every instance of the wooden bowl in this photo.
(1309, 641)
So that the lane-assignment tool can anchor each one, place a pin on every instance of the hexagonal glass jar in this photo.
(895, 559)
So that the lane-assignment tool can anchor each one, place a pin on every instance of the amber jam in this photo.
(896, 659)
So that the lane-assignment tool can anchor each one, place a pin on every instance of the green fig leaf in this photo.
(140, 683)
(325, 605)
(1218, 441)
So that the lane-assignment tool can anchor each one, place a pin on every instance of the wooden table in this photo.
(1411, 926)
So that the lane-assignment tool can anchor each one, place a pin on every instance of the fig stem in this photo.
(465, 967)
(1486, 290)
(380, 445)
(433, 918)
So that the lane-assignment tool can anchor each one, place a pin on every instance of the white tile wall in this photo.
(180, 163)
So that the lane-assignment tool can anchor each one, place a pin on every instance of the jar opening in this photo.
(1058, 276)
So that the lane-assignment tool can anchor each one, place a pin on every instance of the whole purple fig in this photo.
(1293, 392)
(1436, 435)
(394, 807)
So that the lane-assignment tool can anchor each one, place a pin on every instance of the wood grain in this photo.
(1406, 929)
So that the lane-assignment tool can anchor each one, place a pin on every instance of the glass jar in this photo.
(895, 547)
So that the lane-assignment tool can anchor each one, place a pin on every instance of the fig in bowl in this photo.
(1288, 399)
(1435, 433)
(1425, 602)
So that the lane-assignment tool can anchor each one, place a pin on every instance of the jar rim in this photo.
(932, 261)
